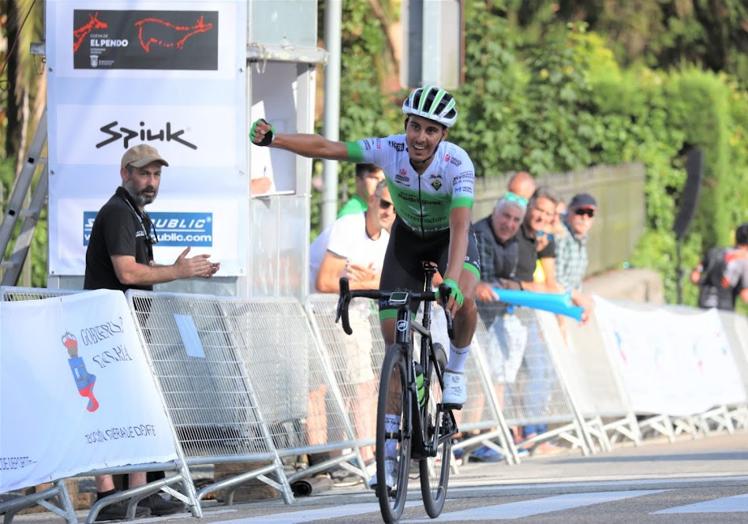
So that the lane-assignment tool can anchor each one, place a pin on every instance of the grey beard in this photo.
(139, 199)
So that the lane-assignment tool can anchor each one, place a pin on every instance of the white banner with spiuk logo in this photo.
(76, 390)
(673, 363)
(168, 73)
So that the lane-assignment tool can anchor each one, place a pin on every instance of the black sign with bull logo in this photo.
(145, 39)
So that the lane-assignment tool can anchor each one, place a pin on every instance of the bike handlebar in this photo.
(346, 295)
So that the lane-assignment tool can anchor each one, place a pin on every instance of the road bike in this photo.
(410, 387)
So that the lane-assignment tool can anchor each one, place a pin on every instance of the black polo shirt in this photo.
(528, 253)
(119, 229)
(497, 259)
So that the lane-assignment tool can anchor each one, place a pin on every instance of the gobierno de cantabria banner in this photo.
(165, 73)
(76, 390)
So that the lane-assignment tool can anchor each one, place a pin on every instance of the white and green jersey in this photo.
(424, 201)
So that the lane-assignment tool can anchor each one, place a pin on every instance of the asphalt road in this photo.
(689, 481)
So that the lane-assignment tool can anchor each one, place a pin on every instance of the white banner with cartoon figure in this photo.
(169, 73)
(76, 390)
(670, 363)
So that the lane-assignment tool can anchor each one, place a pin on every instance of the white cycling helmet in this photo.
(433, 103)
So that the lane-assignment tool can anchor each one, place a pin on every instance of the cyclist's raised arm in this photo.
(313, 146)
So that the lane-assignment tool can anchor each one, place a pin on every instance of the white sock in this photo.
(391, 424)
(457, 358)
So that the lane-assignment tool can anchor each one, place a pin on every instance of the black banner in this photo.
(145, 40)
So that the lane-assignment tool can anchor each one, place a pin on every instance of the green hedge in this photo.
(562, 102)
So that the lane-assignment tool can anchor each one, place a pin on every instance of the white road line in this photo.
(542, 485)
(294, 517)
(528, 508)
(736, 504)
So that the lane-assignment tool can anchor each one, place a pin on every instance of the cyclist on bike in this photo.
(431, 182)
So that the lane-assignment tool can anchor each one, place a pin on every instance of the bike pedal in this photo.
(456, 407)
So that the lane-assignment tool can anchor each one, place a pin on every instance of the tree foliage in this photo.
(22, 95)
(549, 86)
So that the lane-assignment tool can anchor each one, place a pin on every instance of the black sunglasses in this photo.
(589, 212)
(384, 204)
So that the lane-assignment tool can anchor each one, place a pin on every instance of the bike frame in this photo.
(405, 328)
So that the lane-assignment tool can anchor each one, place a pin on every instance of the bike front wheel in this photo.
(437, 428)
(393, 440)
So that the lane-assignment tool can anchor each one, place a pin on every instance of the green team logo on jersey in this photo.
(421, 211)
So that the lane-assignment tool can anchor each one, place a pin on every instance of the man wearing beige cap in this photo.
(120, 256)
(120, 252)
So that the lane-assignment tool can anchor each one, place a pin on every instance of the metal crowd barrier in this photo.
(13, 294)
(209, 385)
(659, 423)
(59, 490)
(299, 394)
(593, 428)
(717, 418)
(480, 420)
(353, 371)
(736, 329)
(596, 388)
(355, 362)
(519, 358)
(59, 493)
(259, 380)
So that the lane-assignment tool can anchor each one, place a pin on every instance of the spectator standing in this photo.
(498, 248)
(385, 212)
(532, 246)
(120, 251)
(120, 257)
(722, 275)
(367, 178)
(540, 212)
(356, 246)
(554, 231)
(571, 248)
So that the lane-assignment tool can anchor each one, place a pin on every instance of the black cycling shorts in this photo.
(406, 251)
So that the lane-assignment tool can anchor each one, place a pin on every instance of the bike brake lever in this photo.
(342, 309)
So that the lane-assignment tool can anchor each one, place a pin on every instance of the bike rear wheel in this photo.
(435, 470)
(393, 400)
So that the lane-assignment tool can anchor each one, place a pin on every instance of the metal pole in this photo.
(678, 271)
(333, 15)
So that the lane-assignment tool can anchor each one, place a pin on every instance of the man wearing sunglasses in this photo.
(571, 249)
(354, 246)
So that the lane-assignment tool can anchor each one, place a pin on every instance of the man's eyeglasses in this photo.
(384, 204)
(585, 211)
